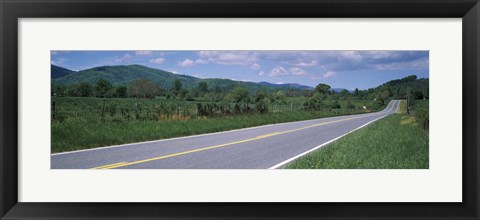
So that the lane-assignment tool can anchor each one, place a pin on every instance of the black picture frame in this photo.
(12, 10)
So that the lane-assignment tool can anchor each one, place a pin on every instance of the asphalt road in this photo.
(263, 147)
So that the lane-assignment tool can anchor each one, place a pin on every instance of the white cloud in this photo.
(414, 64)
(58, 52)
(186, 63)
(255, 66)
(297, 71)
(350, 55)
(278, 71)
(200, 61)
(189, 62)
(158, 60)
(144, 53)
(126, 57)
(58, 61)
(310, 64)
(229, 57)
(381, 54)
(261, 73)
(329, 74)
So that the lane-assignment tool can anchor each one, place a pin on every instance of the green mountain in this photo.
(398, 88)
(124, 75)
(290, 85)
(57, 72)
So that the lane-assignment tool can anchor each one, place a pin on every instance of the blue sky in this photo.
(339, 69)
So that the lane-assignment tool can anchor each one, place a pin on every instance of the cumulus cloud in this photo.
(420, 64)
(329, 74)
(186, 63)
(297, 71)
(309, 64)
(255, 66)
(158, 60)
(229, 57)
(189, 62)
(125, 58)
(261, 73)
(332, 60)
(350, 55)
(278, 71)
(58, 61)
(144, 53)
(200, 61)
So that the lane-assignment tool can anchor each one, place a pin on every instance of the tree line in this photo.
(322, 97)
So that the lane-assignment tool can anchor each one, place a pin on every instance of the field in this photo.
(399, 141)
(87, 122)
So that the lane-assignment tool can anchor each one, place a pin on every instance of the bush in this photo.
(422, 117)
(350, 105)
(262, 106)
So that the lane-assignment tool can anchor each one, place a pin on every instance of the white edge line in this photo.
(321, 145)
(200, 135)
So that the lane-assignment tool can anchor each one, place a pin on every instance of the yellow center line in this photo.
(269, 135)
(122, 164)
(111, 166)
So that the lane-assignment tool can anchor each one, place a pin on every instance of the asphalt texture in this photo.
(263, 147)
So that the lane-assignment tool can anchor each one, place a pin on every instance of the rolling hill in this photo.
(124, 75)
(57, 72)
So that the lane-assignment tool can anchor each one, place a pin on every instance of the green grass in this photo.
(78, 123)
(395, 142)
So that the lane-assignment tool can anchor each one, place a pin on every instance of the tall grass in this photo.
(82, 123)
(395, 142)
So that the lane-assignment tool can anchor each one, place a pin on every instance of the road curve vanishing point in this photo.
(262, 147)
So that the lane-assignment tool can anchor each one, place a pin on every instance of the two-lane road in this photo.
(263, 147)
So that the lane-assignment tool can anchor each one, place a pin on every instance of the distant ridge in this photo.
(290, 85)
(126, 74)
(57, 72)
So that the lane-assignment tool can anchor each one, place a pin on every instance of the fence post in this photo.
(53, 108)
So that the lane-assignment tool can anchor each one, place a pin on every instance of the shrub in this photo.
(422, 117)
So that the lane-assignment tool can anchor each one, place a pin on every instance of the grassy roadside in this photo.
(79, 134)
(395, 142)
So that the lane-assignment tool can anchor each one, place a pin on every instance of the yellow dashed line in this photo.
(122, 164)
(109, 165)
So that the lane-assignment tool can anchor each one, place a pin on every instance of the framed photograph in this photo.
(227, 109)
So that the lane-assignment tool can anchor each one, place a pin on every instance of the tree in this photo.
(217, 89)
(345, 93)
(262, 106)
(143, 88)
(121, 91)
(356, 92)
(418, 95)
(101, 87)
(202, 88)
(280, 97)
(71, 90)
(177, 85)
(59, 90)
(84, 89)
(260, 94)
(240, 94)
(322, 88)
